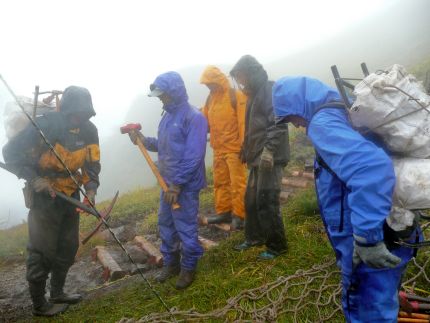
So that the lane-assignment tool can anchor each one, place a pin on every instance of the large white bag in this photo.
(412, 183)
(377, 102)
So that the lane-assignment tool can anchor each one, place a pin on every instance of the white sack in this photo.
(412, 183)
(376, 103)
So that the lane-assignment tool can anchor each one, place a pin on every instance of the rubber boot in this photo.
(40, 306)
(186, 278)
(219, 218)
(167, 272)
(58, 296)
(236, 223)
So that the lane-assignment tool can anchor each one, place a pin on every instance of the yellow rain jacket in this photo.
(226, 121)
(225, 111)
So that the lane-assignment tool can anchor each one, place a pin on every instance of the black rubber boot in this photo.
(65, 298)
(236, 223)
(40, 306)
(49, 309)
(186, 278)
(167, 272)
(219, 218)
(58, 296)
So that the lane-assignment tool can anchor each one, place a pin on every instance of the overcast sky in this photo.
(116, 48)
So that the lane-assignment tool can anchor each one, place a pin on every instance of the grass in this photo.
(13, 242)
(222, 273)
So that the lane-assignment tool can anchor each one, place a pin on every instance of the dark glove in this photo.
(171, 196)
(376, 256)
(266, 160)
(41, 184)
(91, 194)
(135, 135)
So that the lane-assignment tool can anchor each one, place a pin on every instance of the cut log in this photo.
(299, 183)
(111, 270)
(155, 257)
(203, 220)
(223, 226)
(206, 243)
(309, 175)
(297, 173)
(284, 196)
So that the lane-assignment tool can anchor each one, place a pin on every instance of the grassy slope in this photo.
(223, 273)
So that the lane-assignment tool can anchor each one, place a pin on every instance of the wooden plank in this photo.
(155, 256)
(298, 183)
(284, 196)
(223, 226)
(112, 271)
(206, 243)
(309, 175)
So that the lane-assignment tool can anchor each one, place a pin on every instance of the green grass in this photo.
(222, 273)
(13, 241)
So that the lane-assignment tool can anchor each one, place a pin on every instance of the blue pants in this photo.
(179, 231)
(368, 295)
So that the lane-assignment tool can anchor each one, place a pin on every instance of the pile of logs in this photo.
(113, 271)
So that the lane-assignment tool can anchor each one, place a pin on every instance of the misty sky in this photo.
(116, 48)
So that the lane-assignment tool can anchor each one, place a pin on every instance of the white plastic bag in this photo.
(14, 119)
(378, 102)
(412, 183)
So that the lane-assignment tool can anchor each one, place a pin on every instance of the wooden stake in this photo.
(155, 256)
(206, 243)
(112, 271)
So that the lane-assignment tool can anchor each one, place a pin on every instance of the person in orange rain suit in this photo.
(225, 111)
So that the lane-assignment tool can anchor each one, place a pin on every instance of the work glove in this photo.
(91, 194)
(266, 160)
(40, 184)
(376, 256)
(135, 135)
(171, 196)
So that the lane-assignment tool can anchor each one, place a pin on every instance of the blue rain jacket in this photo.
(181, 142)
(354, 194)
(365, 169)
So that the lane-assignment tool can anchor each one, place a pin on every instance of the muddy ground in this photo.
(84, 277)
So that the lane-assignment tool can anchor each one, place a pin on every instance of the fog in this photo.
(118, 53)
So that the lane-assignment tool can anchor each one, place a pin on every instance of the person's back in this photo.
(225, 111)
(354, 182)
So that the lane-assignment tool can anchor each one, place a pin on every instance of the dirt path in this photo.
(84, 277)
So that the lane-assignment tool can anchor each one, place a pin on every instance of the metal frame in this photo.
(342, 83)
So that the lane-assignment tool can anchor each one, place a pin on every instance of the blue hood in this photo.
(173, 85)
(301, 96)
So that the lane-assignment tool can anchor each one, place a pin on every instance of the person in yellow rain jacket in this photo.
(53, 224)
(225, 111)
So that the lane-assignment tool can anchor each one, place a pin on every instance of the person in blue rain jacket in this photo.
(181, 147)
(354, 182)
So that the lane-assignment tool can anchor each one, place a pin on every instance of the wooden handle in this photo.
(154, 169)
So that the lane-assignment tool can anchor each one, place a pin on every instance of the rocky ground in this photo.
(86, 275)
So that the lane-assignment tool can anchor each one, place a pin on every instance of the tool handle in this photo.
(410, 320)
(414, 315)
(154, 169)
